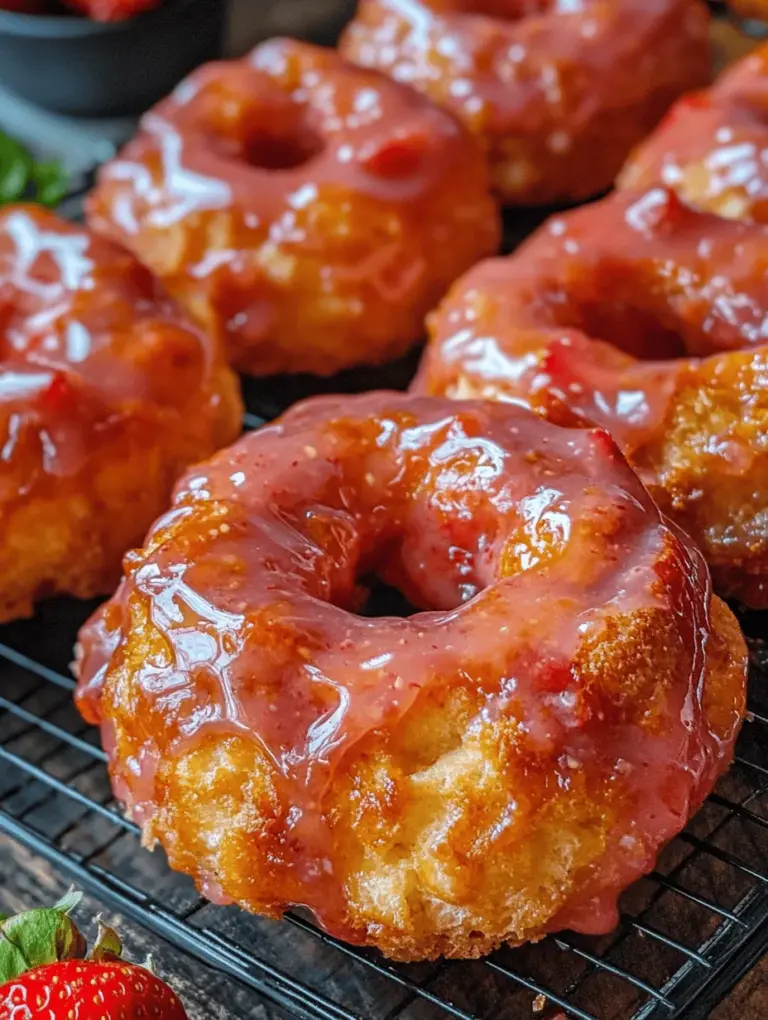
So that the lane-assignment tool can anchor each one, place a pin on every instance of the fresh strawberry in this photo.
(111, 10)
(89, 990)
(48, 976)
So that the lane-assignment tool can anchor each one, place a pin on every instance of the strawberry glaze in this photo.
(711, 146)
(88, 342)
(559, 91)
(536, 326)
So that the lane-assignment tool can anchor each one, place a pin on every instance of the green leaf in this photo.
(69, 901)
(108, 945)
(51, 183)
(36, 938)
(21, 178)
(15, 169)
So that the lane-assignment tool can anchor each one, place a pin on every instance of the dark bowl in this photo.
(93, 69)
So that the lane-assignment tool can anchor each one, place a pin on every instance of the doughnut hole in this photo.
(274, 150)
(262, 128)
(640, 300)
(648, 332)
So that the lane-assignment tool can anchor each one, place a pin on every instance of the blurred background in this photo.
(80, 143)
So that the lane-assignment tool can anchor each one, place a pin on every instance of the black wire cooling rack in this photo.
(688, 931)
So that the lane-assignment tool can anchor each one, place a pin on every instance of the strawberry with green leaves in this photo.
(48, 976)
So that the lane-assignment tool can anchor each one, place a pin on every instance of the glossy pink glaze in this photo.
(339, 128)
(600, 314)
(558, 90)
(518, 539)
(88, 340)
(712, 145)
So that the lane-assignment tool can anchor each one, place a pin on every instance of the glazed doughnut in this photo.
(497, 766)
(651, 320)
(314, 210)
(711, 146)
(106, 395)
(558, 93)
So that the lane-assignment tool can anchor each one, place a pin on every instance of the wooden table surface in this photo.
(26, 881)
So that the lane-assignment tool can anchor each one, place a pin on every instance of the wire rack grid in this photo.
(688, 931)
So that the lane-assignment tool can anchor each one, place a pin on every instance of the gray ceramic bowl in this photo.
(77, 66)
